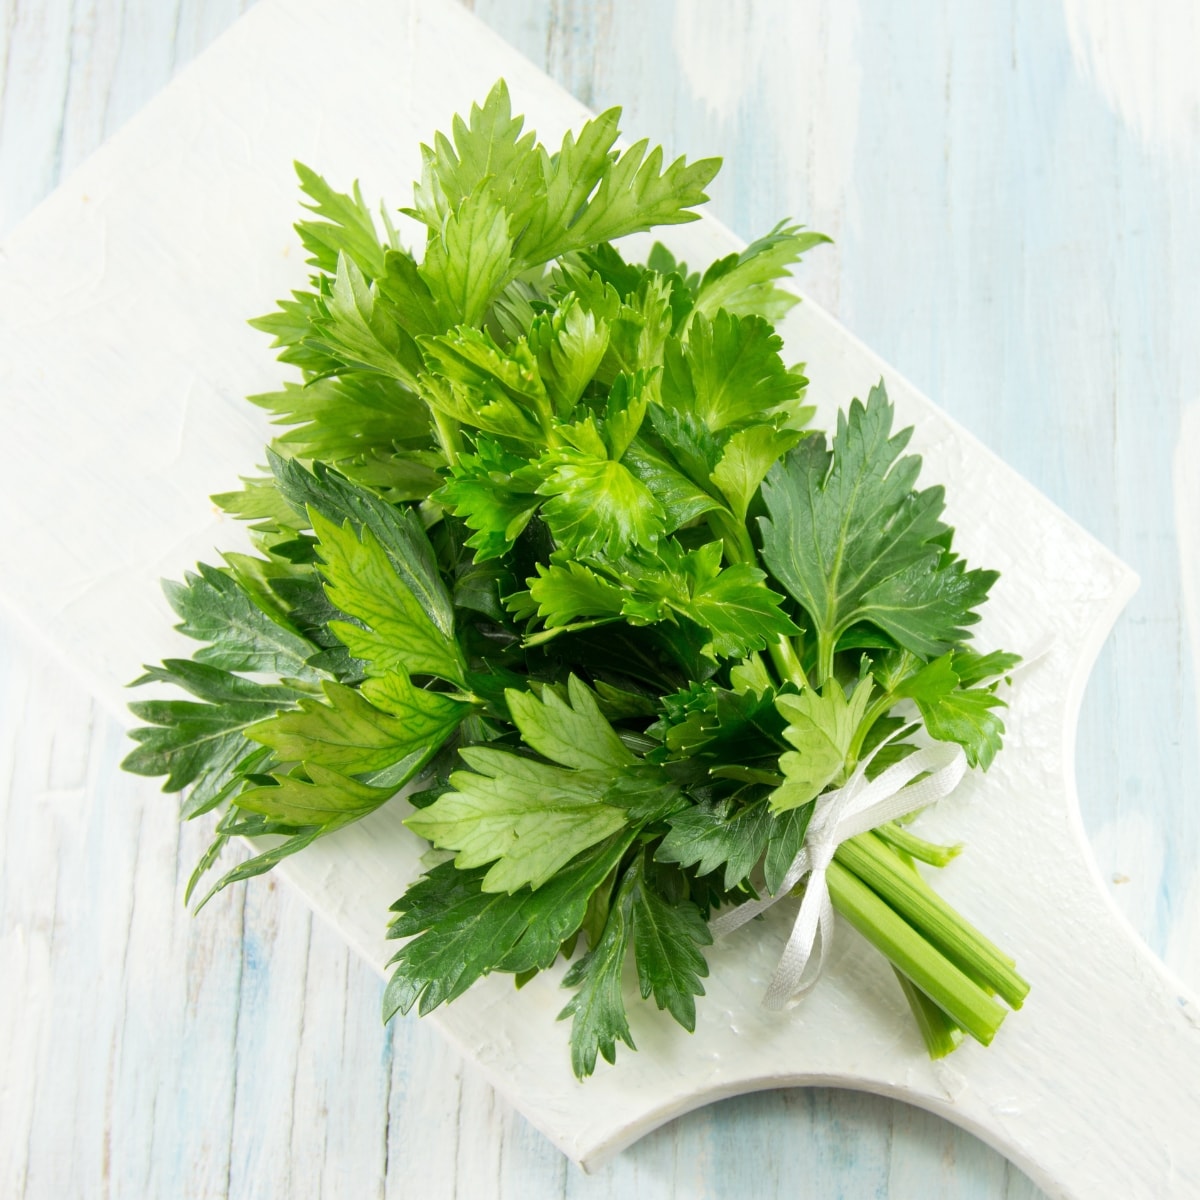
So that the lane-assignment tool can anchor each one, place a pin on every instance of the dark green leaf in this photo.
(241, 637)
(711, 836)
(666, 938)
(598, 1008)
(398, 530)
(852, 541)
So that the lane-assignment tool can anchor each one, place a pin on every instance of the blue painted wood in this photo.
(1023, 253)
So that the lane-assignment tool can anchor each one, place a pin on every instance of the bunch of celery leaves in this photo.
(549, 543)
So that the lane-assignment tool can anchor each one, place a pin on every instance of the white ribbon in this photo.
(852, 809)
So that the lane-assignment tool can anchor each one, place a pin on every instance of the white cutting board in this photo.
(122, 307)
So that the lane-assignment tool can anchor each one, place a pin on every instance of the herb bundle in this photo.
(549, 543)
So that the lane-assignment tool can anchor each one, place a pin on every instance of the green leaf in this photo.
(570, 345)
(570, 178)
(483, 386)
(711, 836)
(598, 1008)
(398, 530)
(362, 581)
(327, 798)
(682, 500)
(259, 864)
(665, 941)
(408, 295)
(201, 745)
(494, 493)
(348, 227)
(821, 727)
(565, 592)
(597, 505)
(954, 714)
(466, 933)
(783, 844)
(216, 609)
(634, 193)
(740, 612)
(718, 726)
(748, 455)
(361, 329)
(526, 817)
(469, 258)
(744, 283)
(728, 372)
(852, 541)
(351, 735)
(258, 500)
(972, 667)
(347, 418)
(486, 148)
(647, 793)
(572, 732)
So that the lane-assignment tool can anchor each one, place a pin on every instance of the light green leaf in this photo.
(469, 258)
(351, 735)
(634, 193)
(570, 345)
(497, 390)
(744, 283)
(956, 714)
(363, 331)
(565, 592)
(326, 798)
(597, 505)
(572, 732)
(526, 817)
(348, 227)
(728, 372)
(362, 582)
(748, 455)
(821, 727)
(487, 149)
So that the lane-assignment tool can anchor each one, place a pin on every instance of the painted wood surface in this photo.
(1012, 198)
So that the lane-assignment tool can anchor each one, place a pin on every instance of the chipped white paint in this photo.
(1143, 59)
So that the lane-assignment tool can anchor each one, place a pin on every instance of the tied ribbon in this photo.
(854, 808)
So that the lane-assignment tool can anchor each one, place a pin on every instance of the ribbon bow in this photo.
(857, 806)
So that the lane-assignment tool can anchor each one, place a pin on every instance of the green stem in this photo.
(939, 1033)
(825, 649)
(787, 662)
(734, 536)
(954, 992)
(448, 435)
(873, 713)
(932, 853)
(880, 868)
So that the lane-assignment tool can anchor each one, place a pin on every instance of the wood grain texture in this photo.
(1006, 238)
